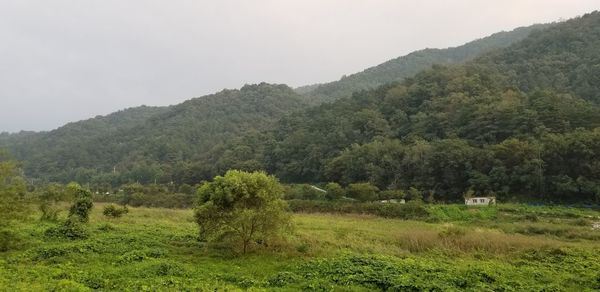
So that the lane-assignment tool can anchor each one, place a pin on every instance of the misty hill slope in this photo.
(406, 66)
(523, 120)
(85, 130)
(141, 138)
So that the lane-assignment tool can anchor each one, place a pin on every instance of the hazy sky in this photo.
(63, 61)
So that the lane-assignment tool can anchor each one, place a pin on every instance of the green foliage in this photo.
(412, 210)
(72, 228)
(364, 192)
(157, 249)
(244, 207)
(151, 195)
(8, 239)
(411, 64)
(12, 191)
(158, 145)
(112, 211)
(414, 194)
(49, 200)
(334, 191)
(13, 202)
(303, 192)
(392, 195)
(82, 205)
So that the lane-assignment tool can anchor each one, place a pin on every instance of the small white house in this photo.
(480, 201)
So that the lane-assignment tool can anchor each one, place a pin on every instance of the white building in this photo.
(480, 201)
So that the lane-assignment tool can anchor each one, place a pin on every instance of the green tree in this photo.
(82, 204)
(364, 192)
(414, 194)
(241, 207)
(334, 191)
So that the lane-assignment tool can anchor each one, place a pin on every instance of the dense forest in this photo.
(520, 122)
(150, 144)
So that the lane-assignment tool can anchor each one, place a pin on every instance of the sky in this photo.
(63, 61)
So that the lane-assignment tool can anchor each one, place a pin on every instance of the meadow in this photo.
(504, 247)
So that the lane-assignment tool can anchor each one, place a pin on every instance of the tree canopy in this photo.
(247, 208)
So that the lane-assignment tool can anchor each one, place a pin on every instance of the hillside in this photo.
(180, 143)
(519, 122)
(138, 144)
(406, 66)
(28, 144)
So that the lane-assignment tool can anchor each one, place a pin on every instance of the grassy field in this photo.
(507, 247)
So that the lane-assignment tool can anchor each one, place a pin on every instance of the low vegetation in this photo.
(473, 248)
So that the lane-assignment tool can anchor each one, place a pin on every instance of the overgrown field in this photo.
(507, 247)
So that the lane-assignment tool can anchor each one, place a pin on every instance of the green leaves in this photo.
(241, 208)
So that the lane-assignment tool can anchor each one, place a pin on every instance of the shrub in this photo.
(391, 194)
(364, 192)
(132, 256)
(334, 191)
(111, 211)
(83, 204)
(414, 194)
(303, 192)
(48, 202)
(243, 207)
(70, 229)
(49, 211)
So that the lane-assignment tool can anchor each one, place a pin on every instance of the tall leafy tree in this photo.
(244, 208)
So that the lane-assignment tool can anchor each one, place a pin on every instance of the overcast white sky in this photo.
(62, 61)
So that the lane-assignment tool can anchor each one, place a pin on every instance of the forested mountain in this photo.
(522, 121)
(407, 66)
(85, 131)
(149, 144)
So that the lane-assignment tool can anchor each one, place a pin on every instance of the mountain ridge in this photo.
(405, 66)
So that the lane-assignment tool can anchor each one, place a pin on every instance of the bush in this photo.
(303, 192)
(48, 200)
(245, 208)
(391, 194)
(70, 229)
(111, 211)
(49, 211)
(83, 204)
(364, 192)
(414, 194)
(334, 191)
